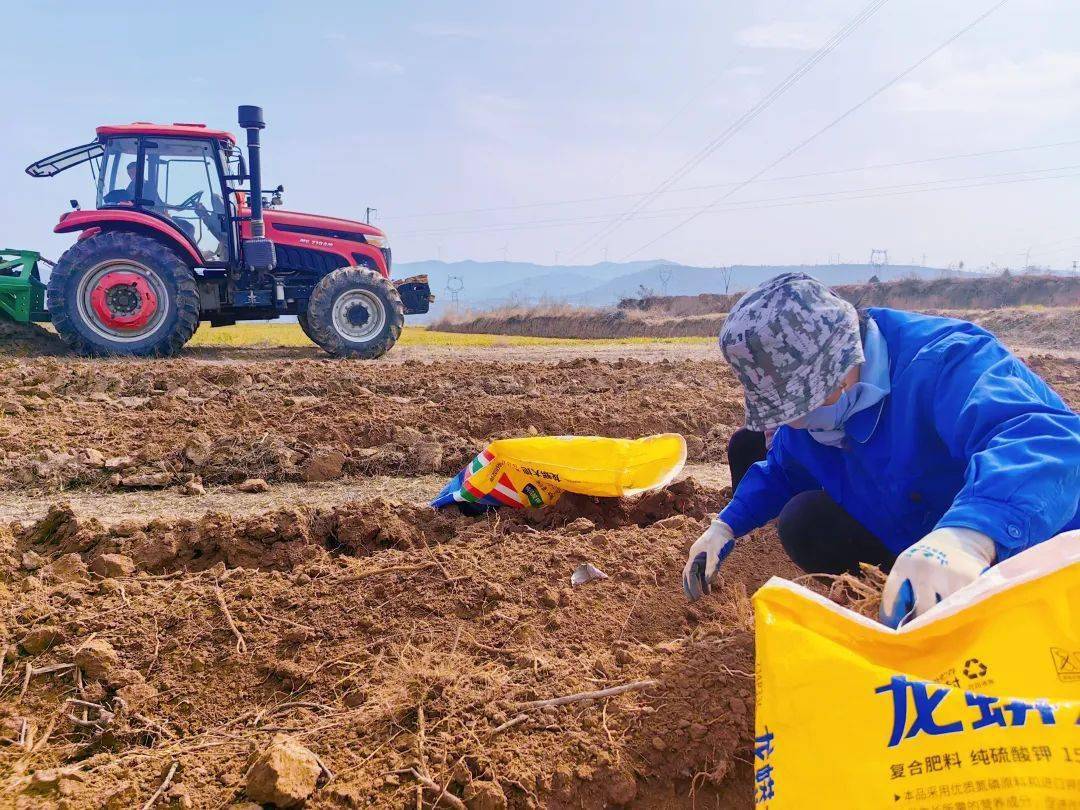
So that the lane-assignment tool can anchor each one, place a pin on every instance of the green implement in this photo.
(22, 295)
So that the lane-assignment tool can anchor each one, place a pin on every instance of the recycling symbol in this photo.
(974, 669)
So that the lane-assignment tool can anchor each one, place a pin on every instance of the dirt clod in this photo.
(69, 568)
(41, 638)
(285, 774)
(324, 465)
(253, 485)
(484, 794)
(97, 659)
(113, 565)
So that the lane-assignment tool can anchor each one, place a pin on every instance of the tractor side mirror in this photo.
(275, 196)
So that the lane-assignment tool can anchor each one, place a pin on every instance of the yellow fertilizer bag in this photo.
(973, 706)
(536, 470)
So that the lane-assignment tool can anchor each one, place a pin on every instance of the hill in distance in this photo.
(485, 285)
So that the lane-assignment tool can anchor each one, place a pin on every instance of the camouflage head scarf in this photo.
(790, 341)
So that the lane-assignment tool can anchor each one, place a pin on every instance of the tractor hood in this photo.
(316, 225)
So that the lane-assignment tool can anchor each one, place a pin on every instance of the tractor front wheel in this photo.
(122, 293)
(301, 318)
(354, 312)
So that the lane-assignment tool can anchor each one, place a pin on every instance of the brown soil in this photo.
(379, 635)
(20, 340)
(140, 424)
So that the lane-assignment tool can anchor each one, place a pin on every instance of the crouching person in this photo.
(916, 443)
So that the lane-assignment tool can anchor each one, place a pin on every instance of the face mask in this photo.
(826, 422)
(826, 417)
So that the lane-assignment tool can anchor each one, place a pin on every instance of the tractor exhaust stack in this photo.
(258, 250)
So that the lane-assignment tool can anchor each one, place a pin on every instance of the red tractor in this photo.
(175, 239)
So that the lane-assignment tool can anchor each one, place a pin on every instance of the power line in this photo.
(850, 111)
(706, 187)
(740, 123)
(839, 195)
(777, 203)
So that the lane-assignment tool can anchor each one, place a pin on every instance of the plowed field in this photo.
(166, 629)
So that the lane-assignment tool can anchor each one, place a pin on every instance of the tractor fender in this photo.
(132, 220)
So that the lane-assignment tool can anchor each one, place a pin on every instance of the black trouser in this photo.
(814, 529)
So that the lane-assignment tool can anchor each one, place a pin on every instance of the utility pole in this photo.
(725, 274)
(454, 286)
(556, 257)
(665, 277)
(879, 257)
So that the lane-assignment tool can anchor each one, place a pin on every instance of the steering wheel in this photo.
(188, 204)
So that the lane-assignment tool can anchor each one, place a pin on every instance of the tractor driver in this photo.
(151, 200)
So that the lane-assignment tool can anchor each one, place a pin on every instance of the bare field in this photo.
(1029, 327)
(333, 606)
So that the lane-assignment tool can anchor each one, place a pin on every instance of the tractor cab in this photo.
(176, 174)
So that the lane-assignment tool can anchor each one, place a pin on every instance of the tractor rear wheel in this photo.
(354, 312)
(122, 293)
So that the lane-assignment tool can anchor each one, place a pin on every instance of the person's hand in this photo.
(942, 562)
(705, 557)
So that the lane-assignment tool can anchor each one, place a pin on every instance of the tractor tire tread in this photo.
(305, 327)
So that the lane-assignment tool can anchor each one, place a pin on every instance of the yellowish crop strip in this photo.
(289, 334)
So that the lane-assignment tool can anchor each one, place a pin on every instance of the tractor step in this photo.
(22, 295)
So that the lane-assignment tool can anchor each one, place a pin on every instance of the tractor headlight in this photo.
(377, 241)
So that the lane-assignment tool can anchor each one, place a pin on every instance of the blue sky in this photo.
(425, 108)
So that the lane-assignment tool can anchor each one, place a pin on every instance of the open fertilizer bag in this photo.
(974, 705)
(536, 470)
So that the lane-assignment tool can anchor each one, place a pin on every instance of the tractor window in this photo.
(116, 182)
(181, 182)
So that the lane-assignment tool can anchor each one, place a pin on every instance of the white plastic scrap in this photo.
(586, 572)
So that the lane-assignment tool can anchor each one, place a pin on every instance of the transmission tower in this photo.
(665, 277)
(454, 286)
(879, 257)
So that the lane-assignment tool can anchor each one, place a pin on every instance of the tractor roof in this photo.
(146, 128)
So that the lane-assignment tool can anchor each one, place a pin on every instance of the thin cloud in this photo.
(745, 70)
(785, 35)
(491, 114)
(384, 67)
(1045, 86)
(447, 31)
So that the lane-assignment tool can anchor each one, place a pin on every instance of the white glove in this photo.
(942, 562)
(705, 557)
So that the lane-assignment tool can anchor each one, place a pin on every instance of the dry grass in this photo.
(580, 323)
(861, 593)
(290, 334)
(986, 292)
